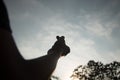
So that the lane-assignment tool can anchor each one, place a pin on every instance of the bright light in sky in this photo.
(91, 29)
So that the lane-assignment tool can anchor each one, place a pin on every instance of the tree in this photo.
(97, 71)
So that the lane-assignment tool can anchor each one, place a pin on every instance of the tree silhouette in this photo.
(97, 71)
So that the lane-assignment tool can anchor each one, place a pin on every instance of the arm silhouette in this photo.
(14, 66)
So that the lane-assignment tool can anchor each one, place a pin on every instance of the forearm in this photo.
(4, 19)
(8, 46)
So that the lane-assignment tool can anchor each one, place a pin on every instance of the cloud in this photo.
(111, 56)
(93, 24)
(98, 29)
(29, 52)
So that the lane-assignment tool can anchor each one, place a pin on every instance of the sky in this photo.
(91, 29)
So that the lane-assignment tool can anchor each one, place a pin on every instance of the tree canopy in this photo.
(97, 71)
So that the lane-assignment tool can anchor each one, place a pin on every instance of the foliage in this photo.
(97, 71)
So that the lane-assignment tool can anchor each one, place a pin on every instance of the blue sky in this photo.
(91, 28)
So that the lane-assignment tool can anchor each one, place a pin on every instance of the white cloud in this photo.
(111, 56)
(29, 52)
(98, 29)
(94, 25)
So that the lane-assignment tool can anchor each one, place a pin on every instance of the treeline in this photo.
(97, 71)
